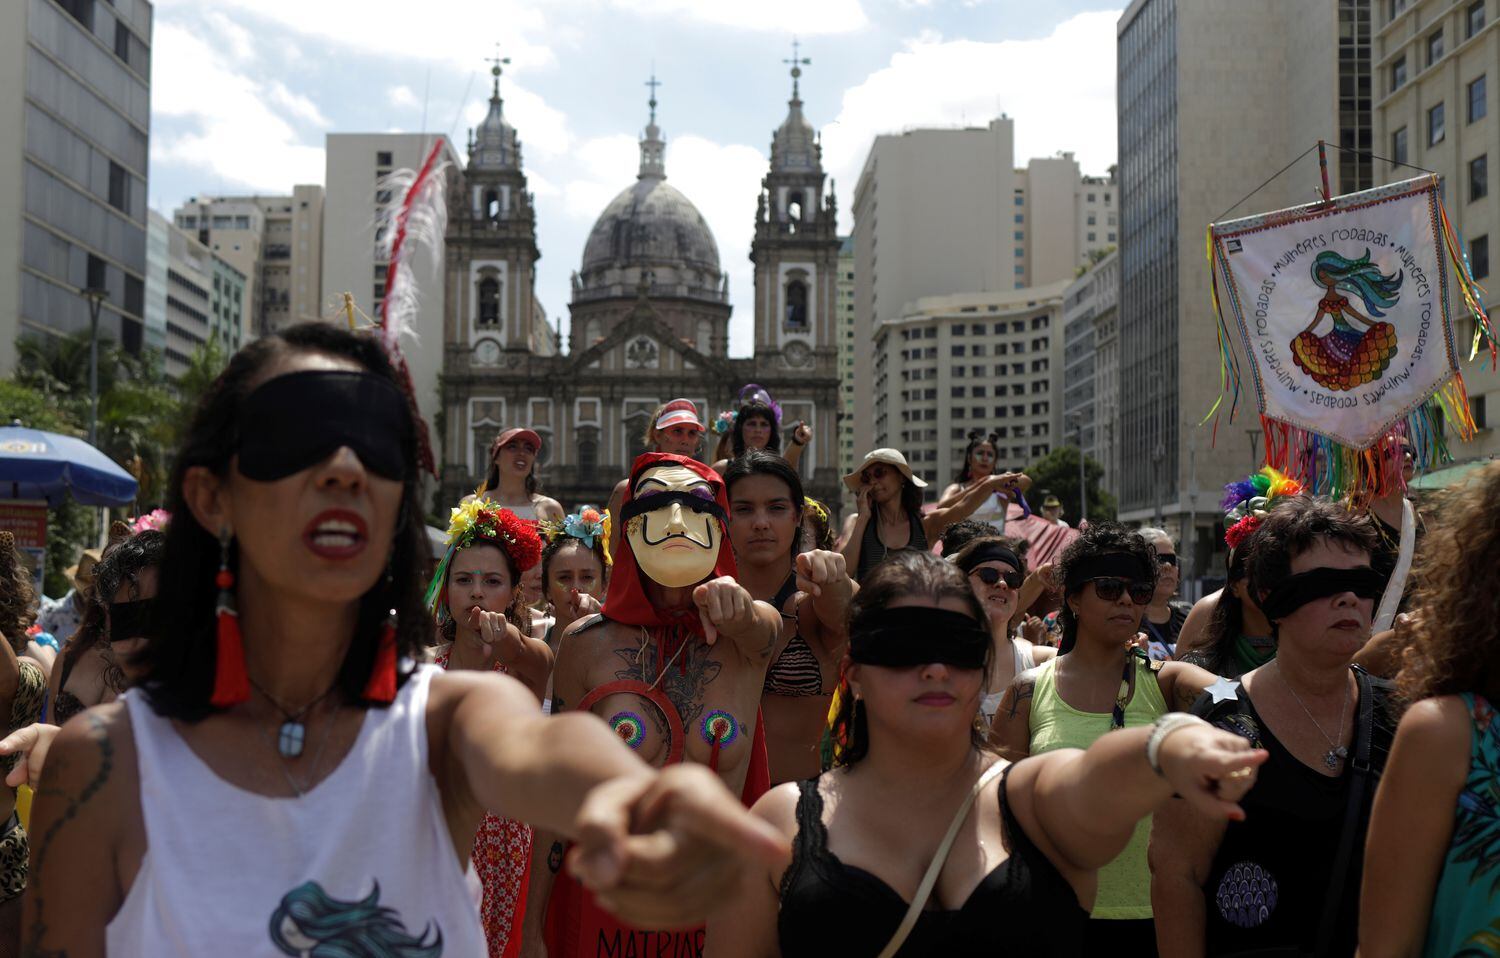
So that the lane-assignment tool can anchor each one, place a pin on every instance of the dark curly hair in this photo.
(965, 531)
(1294, 525)
(178, 662)
(1099, 539)
(18, 597)
(1454, 645)
(750, 410)
(905, 573)
(977, 438)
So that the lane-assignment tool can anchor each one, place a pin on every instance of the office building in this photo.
(1214, 97)
(75, 93)
(947, 365)
(1434, 63)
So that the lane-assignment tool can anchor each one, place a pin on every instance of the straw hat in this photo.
(890, 457)
(82, 572)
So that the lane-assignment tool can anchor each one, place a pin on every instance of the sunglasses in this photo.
(989, 575)
(1166, 558)
(1110, 590)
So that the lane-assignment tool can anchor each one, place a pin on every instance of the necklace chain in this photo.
(1335, 750)
(288, 714)
(312, 769)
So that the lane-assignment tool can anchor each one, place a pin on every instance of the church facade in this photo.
(649, 316)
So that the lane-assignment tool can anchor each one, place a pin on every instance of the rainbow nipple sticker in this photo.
(630, 727)
(719, 728)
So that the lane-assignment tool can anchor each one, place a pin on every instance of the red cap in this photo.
(677, 412)
(513, 434)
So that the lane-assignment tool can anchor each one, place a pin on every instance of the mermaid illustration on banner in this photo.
(1347, 356)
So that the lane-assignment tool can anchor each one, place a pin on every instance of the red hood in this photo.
(626, 599)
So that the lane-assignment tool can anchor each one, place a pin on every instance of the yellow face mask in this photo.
(674, 545)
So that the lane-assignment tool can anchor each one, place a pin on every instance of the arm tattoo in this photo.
(1018, 694)
(33, 947)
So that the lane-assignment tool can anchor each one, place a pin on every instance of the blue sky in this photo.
(243, 92)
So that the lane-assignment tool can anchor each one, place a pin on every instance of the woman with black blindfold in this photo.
(1286, 880)
(1100, 683)
(871, 866)
(284, 775)
(995, 574)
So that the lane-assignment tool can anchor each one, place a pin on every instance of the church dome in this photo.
(651, 224)
(651, 233)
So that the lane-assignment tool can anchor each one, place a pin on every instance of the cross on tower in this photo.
(653, 83)
(797, 62)
(495, 63)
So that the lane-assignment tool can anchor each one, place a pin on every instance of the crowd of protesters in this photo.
(706, 717)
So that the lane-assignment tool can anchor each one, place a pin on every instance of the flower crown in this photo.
(587, 526)
(1247, 502)
(816, 508)
(725, 421)
(481, 519)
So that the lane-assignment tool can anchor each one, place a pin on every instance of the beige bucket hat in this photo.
(890, 457)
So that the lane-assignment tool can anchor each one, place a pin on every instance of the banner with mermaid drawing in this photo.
(1345, 317)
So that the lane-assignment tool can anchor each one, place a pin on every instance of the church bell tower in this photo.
(796, 245)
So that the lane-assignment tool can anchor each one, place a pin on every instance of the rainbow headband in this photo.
(479, 519)
(587, 526)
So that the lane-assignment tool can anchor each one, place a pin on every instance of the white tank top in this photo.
(992, 510)
(361, 865)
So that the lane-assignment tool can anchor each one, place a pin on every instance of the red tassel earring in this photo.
(231, 683)
(381, 686)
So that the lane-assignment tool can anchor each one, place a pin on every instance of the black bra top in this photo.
(1023, 907)
(796, 673)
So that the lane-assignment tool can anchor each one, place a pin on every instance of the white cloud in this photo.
(241, 130)
(402, 30)
(606, 165)
(401, 97)
(1060, 90)
(543, 129)
(775, 16)
(723, 181)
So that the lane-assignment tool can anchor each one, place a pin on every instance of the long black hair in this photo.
(905, 573)
(178, 662)
(1099, 539)
(977, 438)
(758, 462)
(747, 411)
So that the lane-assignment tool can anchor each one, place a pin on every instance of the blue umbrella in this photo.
(44, 465)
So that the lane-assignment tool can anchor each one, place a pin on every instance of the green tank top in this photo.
(1468, 891)
(1125, 883)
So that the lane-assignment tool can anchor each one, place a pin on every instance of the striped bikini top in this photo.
(796, 673)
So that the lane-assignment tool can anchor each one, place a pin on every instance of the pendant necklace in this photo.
(1336, 752)
(292, 735)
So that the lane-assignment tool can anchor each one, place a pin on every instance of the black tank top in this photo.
(872, 551)
(1023, 907)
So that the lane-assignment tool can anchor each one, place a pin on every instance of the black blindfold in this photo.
(989, 552)
(1115, 565)
(296, 421)
(660, 500)
(132, 620)
(918, 635)
(1298, 590)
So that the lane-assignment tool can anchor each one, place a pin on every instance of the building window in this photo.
(1479, 256)
(1398, 146)
(1434, 47)
(1479, 180)
(489, 301)
(122, 41)
(1020, 270)
(1476, 409)
(94, 272)
(80, 10)
(1093, 219)
(383, 158)
(119, 187)
(1020, 200)
(957, 350)
(1478, 106)
(1396, 7)
(1435, 130)
(1020, 217)
(796, 305)
(1020, 236)
(1398, 74)
(1093, 237)
(1474, 18)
